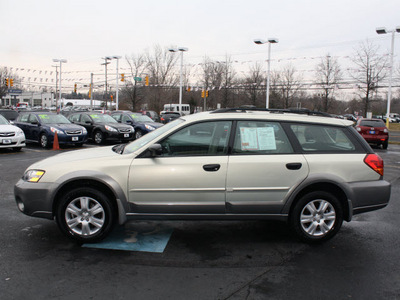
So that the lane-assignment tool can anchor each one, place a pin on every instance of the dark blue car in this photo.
(40, 127)
(141, 123)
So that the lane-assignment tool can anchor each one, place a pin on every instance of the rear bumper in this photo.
(369, 195)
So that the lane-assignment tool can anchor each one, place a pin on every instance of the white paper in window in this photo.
(248, 137)
(260, 138)
(266, 138)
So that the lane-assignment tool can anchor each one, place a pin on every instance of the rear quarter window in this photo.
(320, 138)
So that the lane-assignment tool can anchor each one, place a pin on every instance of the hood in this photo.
(9, 128)
(66, 126)
(75, 155)
(153, 124)
(115, 125)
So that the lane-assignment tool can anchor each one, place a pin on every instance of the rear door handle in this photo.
(212, 167)
(293, 166)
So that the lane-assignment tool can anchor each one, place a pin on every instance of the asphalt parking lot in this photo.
(202, 259)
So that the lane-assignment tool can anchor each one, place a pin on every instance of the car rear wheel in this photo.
(85, 215)
(44, 141)
(317, 217)
(98, 137)
(385, 144)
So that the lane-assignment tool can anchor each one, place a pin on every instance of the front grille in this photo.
(125, 130)
(7, 134)
(73, 132)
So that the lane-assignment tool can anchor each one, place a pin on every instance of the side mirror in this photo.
(89, 122)
(155, 149)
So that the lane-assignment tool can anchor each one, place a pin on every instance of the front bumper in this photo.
(35, 199)
(71, 139)
(12, 142)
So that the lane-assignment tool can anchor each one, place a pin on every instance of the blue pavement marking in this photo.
(129, 238)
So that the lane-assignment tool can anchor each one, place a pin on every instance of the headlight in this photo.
(33, 175)
(109, 128)
(20, 132)
(148, 127)
(54, 130)
(84, 131)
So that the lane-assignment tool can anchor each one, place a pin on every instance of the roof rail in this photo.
(303, 111)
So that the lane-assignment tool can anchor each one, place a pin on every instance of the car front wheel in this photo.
(44, 141)
(138, 134)
(317, 217)
(98, 137)
(85, 215)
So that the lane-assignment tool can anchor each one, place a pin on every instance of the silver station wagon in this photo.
(311, 171)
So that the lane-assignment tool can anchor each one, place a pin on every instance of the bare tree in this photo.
(287, 84)
(371, 70)
(254, 85)
(160, 65)
(4, 74)
(328, 75)
(133, 90)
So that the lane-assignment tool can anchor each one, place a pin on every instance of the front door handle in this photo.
(212, 167)
(293, 166)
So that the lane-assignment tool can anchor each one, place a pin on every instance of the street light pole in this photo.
(116, 88)
(269, 41)
(181, 49)
(60, 61)
(382, 30)
(105, 66)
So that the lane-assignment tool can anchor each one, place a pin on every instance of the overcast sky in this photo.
(35, 32)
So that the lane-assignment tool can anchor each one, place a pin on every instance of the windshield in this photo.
(102, 118)
(3, 121)
(53, 119)
(9, 115)
(141, 118)
(139, 143)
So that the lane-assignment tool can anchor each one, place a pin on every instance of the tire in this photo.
(98, 137)
(385, 145)
(138, 134)
(85, 215)
(44, 141)
(17, 149)
(316, 217)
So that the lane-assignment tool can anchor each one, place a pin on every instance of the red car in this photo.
(373, 131)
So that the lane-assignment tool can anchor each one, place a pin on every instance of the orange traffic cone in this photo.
(56, 146)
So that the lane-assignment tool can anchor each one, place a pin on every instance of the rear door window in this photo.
(260, 137)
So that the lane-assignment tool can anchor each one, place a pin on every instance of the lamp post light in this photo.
(382, 30)
(269, 41)
(181, 49)
(60, 61)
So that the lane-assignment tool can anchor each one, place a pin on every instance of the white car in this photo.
(311, 171)
(11, 136)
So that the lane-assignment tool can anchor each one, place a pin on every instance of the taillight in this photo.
(375, 162)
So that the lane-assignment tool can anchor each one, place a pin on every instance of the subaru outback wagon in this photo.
(311, 171)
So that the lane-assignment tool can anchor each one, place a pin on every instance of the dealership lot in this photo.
(203, 259)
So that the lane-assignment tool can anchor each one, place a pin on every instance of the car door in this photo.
(188, 177)
(262, 169)
(34, 124)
